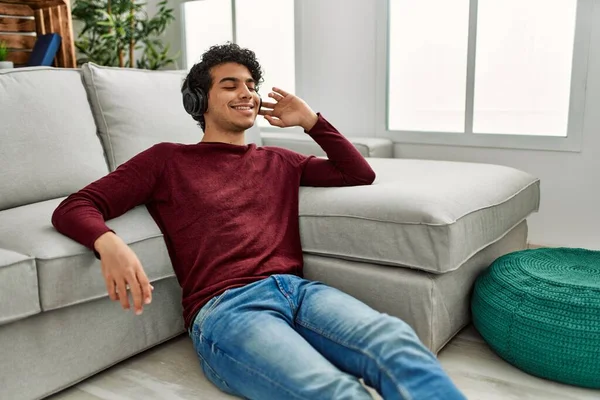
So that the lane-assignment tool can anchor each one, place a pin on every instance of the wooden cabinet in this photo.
(22, 20)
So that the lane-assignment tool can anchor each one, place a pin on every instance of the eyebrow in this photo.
(233, 79)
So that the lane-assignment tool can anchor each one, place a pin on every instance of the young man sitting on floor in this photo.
(229, 215)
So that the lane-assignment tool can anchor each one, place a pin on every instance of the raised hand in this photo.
(288, 110)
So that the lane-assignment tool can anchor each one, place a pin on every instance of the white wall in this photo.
(337, 62)
(337, 66)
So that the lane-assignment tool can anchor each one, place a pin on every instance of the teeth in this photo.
(242, 108)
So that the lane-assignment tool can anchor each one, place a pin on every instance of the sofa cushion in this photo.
(68, 272)
(47, 128)
(18, 285)
(135, 109)
(304, 144)
(428, 215)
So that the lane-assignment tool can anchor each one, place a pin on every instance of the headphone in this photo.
(196, 103)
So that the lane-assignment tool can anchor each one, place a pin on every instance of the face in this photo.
(232, 99)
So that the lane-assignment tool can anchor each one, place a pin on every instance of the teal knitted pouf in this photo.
(540, 311)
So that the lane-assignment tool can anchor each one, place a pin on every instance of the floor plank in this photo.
(482, 374)
(171, 371)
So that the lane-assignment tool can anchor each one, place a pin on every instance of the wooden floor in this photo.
(171, 371)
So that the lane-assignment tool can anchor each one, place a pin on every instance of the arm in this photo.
(81, 217)
(345, 165)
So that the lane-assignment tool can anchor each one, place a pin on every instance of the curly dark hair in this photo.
(199, 75)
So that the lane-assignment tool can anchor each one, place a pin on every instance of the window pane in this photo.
(267, 28)
(427, 69)
(523, 66)
(202, 32)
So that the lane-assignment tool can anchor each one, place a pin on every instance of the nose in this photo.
(245, 92)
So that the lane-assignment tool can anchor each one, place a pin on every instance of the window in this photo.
(264, 26)
(201, 30)
(428, 64)
(523, 66)
(270, 34)
(507, 73)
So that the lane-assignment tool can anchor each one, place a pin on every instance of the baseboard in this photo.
(536, 246)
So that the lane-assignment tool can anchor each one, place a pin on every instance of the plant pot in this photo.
(6, 65)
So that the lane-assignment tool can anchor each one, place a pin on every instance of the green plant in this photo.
(115, 30)
(3, 50)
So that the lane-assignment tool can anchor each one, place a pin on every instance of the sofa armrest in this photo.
(304, 144)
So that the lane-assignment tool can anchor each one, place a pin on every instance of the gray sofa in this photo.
(410, 245)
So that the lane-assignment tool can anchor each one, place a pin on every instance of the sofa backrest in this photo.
(59, 127)
(48, 142)
(135, 109)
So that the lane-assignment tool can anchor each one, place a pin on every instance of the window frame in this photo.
(579, 74)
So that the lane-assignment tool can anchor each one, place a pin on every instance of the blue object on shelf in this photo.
(44, 50)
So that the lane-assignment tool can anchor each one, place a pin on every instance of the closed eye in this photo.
(233, 88)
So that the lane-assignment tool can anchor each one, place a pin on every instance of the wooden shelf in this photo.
(33, 18)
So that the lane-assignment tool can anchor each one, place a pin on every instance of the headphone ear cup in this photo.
(189, 101)
(194, 102)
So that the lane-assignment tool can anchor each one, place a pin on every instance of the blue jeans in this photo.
(285, 337)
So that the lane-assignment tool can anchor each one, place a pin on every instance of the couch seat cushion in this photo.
(18, 285)
(135, 109)
(428, 215)
(47, 128)
(68, 272)
(304, 144)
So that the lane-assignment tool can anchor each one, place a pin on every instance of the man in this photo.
(229, 215)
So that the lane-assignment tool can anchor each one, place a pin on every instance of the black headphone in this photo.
(195, 102)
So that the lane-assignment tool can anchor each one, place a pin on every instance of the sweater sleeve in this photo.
(81, 216)
(345, 165)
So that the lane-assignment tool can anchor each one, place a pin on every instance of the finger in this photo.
(274, 121)
(122, 292)
(146, 287)
(266, 112)
(116, 290)
(280, 91)
(136, 293)
(267, 104)
(276, 96)
(110, 288)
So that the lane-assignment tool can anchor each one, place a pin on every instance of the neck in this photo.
(222, 136)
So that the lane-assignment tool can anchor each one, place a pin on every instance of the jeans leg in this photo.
(383, 350)
(247, 347)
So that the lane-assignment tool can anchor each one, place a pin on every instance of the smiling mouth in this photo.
(242, 107)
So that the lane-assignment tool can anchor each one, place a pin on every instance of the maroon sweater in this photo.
(229, 213)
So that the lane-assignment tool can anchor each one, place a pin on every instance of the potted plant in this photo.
(119, 33)
(3, 54)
